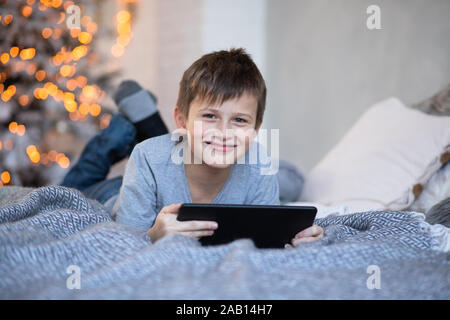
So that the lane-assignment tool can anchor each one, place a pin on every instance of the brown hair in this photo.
(221, 76)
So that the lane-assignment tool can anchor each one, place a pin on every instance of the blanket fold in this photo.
(53, 236)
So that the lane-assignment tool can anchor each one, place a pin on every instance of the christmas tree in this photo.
(50, 100)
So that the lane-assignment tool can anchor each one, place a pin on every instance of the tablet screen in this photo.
(268, 226)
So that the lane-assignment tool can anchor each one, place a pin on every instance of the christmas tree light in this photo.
(47, 88)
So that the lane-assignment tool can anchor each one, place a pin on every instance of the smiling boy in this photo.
(219, 110)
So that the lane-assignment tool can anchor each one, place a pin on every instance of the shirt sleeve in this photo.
(136, 203)
(265, 190)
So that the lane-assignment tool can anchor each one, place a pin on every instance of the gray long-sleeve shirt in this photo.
(153, 180)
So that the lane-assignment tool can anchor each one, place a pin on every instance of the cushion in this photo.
(322, 211)
(383, 161)
(290, 180)
(439, 213)
(436, 190)
(438, 104)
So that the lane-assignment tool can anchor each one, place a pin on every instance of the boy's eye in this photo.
(209, 116)
(241, 120)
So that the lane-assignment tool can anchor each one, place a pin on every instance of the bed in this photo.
(57, 244)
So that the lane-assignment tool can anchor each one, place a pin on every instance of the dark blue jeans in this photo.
(108, 147)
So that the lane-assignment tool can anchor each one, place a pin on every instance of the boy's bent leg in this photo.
(108, 147)
(139, 106)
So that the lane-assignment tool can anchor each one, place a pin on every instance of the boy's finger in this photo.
(197, 225)
(198, 234)
(172, 208)
(309, 232)
(296, 241)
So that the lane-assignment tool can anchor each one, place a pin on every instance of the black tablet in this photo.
(268, 226)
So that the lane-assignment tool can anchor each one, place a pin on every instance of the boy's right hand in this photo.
(166, 223)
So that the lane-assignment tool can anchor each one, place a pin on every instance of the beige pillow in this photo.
(382, 161)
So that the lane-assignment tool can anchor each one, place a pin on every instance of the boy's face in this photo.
(219, 135)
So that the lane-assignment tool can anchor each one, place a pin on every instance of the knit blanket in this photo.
(57, 244)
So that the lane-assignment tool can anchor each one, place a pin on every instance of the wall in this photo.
(322, 66)
(325, 68)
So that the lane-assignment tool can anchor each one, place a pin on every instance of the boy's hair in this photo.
(221, 76)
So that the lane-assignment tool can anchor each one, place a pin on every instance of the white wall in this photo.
(322, 66)
(325, 68)
(140, 57)
(236, 23)
(167, 38)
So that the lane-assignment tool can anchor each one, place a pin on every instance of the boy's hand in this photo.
(166, 223)
(310, 234)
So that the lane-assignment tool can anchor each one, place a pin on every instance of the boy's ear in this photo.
(180, 121)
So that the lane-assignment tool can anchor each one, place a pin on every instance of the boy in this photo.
(219, 109)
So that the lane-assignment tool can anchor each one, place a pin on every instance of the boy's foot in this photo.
(139, 106)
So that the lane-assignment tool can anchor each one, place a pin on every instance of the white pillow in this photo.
(390, 151)
(322, 211)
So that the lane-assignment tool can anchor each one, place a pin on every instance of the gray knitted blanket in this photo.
(55, 243)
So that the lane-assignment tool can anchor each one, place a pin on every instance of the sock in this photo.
(139, 106)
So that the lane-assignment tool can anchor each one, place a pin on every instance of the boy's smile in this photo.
(220, 147)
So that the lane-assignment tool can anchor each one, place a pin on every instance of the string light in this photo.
(47, 33)
(62, 17)
(95, 109)
(4, 58)
(33, 153)
(6, 177)
(80, 98)
(7, 19)
(8, 93)
(123, 27)
(84, 37)
(79, 52)
(13, 127)
(31, 69)
(35, 157)
(71, 84)
(27, 54)
(117, 50)
(21, 130)
(67, 70)
(27, 11)
(40, 75)
(14, 51)
(64, 162)
(24, 100)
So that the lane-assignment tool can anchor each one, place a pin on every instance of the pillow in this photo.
(290, 180)
(436, 190)
(322, 211)
(439, 213)
(438, 104)
(383, 161)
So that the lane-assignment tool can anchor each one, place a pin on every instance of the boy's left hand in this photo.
(310, 234)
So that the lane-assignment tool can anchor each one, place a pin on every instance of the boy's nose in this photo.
(221, 132)
(223, 126)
